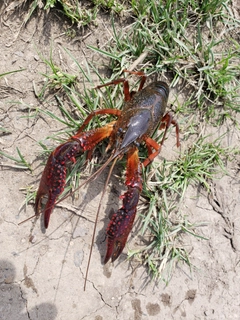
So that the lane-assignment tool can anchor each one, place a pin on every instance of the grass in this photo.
(10, 72)
(57, 79)
(189, 50)
(20, 162)
(163, 224)
(191, 45)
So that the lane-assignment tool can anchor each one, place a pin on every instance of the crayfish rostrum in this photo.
(142, 113)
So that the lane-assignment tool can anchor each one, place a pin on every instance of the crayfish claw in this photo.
(114, 250)
(49, 209)
(49, 206)
(54, 177)
(121, 224)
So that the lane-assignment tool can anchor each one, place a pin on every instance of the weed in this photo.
(21, 162)
(56, 80)
(10, 72)
(187, 49)
(163, 224)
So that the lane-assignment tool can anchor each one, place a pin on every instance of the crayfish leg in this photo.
(122, 221)
(140, 74)
(166, 121)
(127, 94)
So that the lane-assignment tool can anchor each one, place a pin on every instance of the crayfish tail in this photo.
(121, 224)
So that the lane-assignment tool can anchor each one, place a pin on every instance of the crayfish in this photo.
(143, 112)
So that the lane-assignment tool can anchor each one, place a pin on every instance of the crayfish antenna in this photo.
(115, 157)
(29, 218)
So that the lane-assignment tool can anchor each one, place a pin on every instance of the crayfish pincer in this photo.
(143, 112)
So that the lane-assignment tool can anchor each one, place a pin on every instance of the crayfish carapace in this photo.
(142, 113)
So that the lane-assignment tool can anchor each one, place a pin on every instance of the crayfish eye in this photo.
(120, 131)
(137, 144)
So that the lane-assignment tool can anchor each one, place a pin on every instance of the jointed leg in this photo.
(114, 112)
(151, 155)
(140, 74)
(127, 94)
(166, 121)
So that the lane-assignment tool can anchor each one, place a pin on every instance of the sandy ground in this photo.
(43, 278)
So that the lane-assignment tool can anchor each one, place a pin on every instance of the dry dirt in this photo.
(43, 279)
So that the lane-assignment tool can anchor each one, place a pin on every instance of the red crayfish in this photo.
(142, 113)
